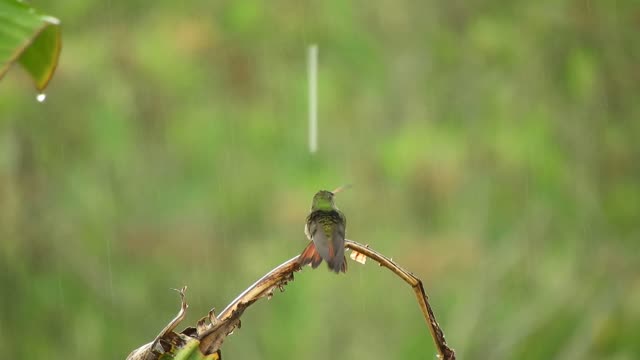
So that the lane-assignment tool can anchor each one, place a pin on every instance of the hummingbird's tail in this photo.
(338, 264)
(310, 256)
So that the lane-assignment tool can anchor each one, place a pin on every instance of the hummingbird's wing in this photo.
(318, 231)
(336, 259)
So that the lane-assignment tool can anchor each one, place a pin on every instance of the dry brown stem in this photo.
(444, 351)
(211, 337)
(210, 331)
(146, 352)
(213, 334)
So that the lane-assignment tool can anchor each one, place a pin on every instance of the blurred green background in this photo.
(492, 146)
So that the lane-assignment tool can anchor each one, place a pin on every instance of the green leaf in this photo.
(30, 38)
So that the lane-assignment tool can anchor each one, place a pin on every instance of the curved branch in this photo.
(211, 336)
(444, 351)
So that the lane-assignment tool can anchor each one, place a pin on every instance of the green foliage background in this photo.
(493, 148)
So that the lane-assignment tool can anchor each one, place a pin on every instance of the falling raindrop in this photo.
(312, 62)
(41, 97)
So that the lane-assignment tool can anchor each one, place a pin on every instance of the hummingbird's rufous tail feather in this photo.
(310, 256)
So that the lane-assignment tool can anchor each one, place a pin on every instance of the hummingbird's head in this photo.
(323, 200)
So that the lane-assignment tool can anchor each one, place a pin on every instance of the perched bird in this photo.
(325, 228)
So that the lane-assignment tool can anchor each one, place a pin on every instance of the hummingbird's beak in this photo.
(341, 188)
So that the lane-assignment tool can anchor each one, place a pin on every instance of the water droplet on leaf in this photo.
(41, 97)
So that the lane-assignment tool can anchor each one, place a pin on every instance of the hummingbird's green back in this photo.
(326, 228)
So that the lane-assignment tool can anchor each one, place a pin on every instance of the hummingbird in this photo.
(325, 227)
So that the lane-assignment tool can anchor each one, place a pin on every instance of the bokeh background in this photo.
(493, 148)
